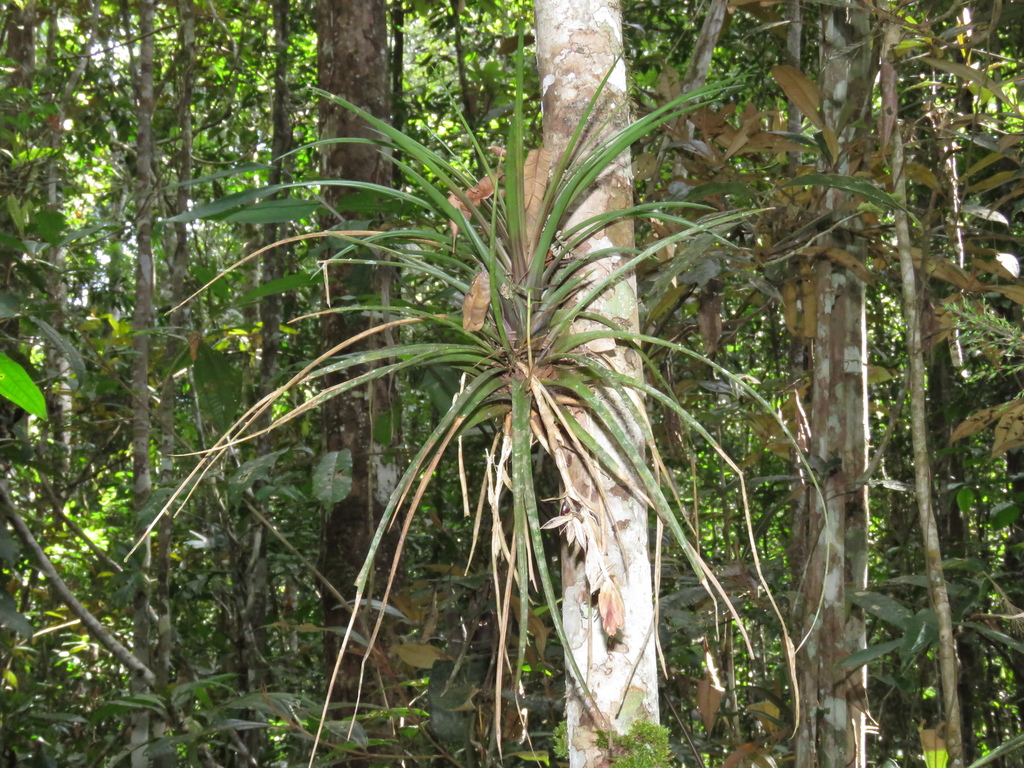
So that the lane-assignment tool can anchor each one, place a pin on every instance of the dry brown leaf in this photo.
(931, 741)
(645, 166)
(1014, 292)
(1009, 430)
(709, 321)
(535, 181)
(801, 90)
(419, 655)
(477, 194)
(976, 422)
(809, 299)
(790, 310)
(992, 181)
(668, 86)
(846, 259)
(611, 608)
(709, 699)
(951, 273)
(476, 303)
(740, 755)
(922, 175)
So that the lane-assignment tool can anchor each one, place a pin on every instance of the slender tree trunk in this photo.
(254, 586)
(833, 699)
(948, 663)
(578, 43)
(142, 324)
(352, 63)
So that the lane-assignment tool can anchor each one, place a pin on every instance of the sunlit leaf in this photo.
(17, 386)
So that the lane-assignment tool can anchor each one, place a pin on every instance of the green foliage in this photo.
(644, 746)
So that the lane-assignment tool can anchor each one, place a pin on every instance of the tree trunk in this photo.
(833, 698)
(948, 663)
(352, 63)
(578, 43)
(142, 323)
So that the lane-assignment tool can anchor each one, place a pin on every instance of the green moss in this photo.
(645, 746)
(561, 746)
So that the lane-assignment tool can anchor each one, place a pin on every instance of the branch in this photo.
(95, 627)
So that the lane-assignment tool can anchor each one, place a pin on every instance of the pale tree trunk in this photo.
(833, 698)
(142, 324)
(352, 62)
(948, 662)
(578, 43)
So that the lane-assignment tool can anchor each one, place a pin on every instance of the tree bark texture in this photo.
(833, 699)
(352, 63)
(948, 663)
(578, 43)
(142, 323)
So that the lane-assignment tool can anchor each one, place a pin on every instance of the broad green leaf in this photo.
(965, 499)
(884, 607)
(281, 285)
(993, 634)
(49, 225)
(921, 633)
(218, 387)
(65, 348)
(332, 478)
(870, 654)
(274, 212)
(225, 204)
(1003, 515)
(251, 472)
(12, 618)
(9, 547)
(853, 184)
(17, 386)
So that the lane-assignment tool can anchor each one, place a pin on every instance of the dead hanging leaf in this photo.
(1013, 292)
(742, 755)
(668, 85)
(535, 181)
(611, 608)
(767, 715)
(790, 308)
(1009, 430)
(419, 655)
(809, 300)
(801, 90)
(995, 180)
(933, 744)
(846, 259)
(709, 320)
(977, 421)
(709, 700)
(922, 175)
(645, 166)
(476, 195)
(476, 303)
